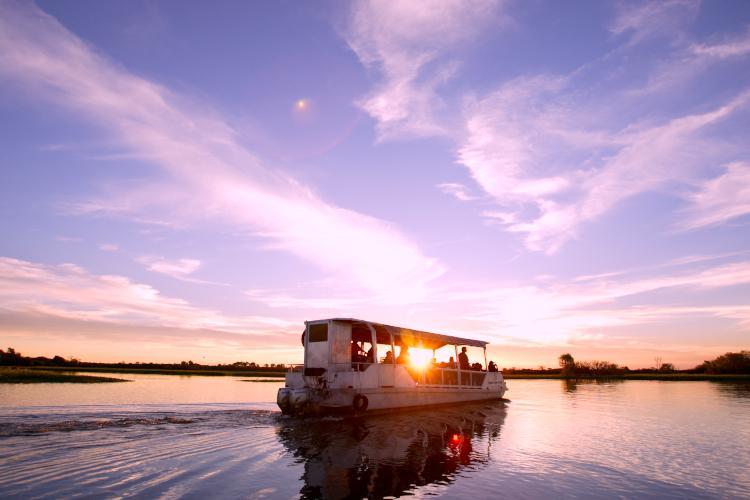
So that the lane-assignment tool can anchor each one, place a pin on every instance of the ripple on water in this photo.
(633, 439)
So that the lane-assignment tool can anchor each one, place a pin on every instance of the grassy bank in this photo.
(34, 376)
(161, 371)
(56, 371)
(639, 376)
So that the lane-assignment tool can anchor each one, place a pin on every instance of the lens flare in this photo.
(301, 105)
(419, 358)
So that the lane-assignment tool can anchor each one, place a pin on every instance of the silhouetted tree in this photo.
(657, 362)
(731, 362)
(568, 365)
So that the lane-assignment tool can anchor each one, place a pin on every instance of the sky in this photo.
(191, 180)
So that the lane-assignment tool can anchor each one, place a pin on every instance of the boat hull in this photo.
(378, 400)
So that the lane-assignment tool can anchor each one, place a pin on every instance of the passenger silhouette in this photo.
(463, 360)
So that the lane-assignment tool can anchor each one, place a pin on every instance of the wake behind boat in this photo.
(345, 372)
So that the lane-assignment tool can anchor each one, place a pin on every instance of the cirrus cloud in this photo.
(210, 175)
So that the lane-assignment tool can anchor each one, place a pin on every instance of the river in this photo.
(222, 437)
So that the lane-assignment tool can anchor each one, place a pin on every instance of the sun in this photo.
(301, 105)
(419, 358)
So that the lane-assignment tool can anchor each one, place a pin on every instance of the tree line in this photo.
(731, 363)
(11, 357)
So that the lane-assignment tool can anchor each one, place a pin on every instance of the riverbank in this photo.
(280, 374)
(695, 377)
(14, 375)
(161, 371)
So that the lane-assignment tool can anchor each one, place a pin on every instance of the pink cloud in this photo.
(721, 199)
(69, 292)
(457, 190)
(737, 46)
(399, 40)
(209, 170)
(653, 18)
(550, 169)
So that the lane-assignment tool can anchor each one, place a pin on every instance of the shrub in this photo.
(731, 362)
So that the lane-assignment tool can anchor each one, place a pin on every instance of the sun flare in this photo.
(419, 358)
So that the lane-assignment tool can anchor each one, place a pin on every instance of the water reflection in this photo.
(572, 385)
(734, 389)
(390, 455)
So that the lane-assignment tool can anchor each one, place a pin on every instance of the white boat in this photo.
(336, 378)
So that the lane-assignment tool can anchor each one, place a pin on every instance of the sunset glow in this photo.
(452, 169)
(420, 358)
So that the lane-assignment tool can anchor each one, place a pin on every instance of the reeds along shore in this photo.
(732, 366)
(16, 375)
(11, 357)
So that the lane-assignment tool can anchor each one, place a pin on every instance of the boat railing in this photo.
(431, 376)
(438, 376)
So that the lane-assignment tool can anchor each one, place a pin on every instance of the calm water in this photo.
(191, 437)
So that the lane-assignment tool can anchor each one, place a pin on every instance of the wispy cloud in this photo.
(286, 300)
(559, 312)
(650, 19)
(402, 42)
(70, 292)
(109, 247)
(554, 151)
(178, 268)
(68, 239)
(553, 162)
(457, 190)
(720, 199)
(210, 173)
(605, 309)
(736, 46)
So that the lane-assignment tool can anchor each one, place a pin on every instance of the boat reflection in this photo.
(390, 455)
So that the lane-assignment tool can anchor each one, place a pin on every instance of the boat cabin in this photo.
(346, 352)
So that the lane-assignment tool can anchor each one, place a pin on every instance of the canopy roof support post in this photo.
(486, 366)
(304, 355)
(393, 358)
(374, 342)
(458, 365)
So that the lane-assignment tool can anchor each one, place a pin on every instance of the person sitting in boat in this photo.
(403, 356)
(450, 377)
(492, 367)
(388, 358)
(463, 360)
(356, 352)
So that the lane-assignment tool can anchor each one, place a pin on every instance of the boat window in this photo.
(318, 333)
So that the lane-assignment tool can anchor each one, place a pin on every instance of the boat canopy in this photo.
(405, 336)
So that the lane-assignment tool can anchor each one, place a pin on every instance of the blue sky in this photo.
(183, 180)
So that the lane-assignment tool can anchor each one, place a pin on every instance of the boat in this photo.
(340, 376)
